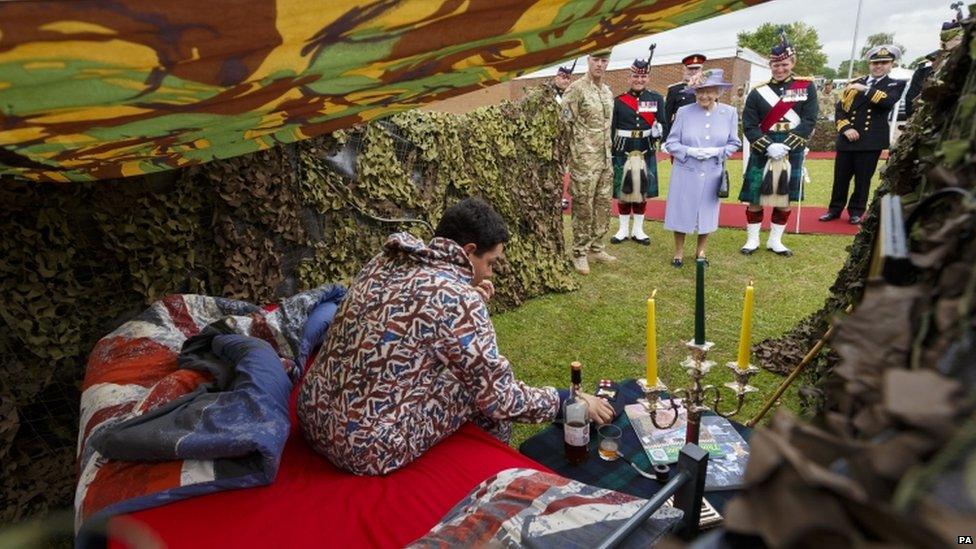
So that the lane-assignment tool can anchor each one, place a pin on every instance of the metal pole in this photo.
(648, 509)
(795, 373)
(857, 23)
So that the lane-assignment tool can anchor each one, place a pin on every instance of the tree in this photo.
(809, 51)
(881, 39)
(861, 64)
(827, 72)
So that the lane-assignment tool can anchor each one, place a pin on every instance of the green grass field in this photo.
(816, 193)
(603, 323)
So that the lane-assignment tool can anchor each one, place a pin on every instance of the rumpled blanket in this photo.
(529, 508)
(191, 397)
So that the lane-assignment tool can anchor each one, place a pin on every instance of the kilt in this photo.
(650, 160)
(752, 180)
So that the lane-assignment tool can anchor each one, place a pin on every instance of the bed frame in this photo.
(688, 489)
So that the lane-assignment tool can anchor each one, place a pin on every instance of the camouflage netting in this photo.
(77, 260)
(889, 457)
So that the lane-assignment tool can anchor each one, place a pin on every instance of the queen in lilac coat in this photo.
(704, 134)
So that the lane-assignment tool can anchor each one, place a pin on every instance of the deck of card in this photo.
(606, 389)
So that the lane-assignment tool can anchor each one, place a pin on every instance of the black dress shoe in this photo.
(677, 263)
(643, 242)
(829, 216)
(854, 220)
(615, 240)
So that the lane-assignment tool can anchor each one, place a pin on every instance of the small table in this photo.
(547, 448)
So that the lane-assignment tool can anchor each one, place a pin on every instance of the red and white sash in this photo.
(649, 114)
(782, 106)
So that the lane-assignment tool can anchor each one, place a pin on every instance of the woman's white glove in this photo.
(777, 151)
(656, 130)
(698, 152)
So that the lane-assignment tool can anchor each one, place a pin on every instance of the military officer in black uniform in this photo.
(679, 94)
(636, 128)
(778, 118)
(863, 131)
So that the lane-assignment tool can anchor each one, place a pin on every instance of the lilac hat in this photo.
(713, 78)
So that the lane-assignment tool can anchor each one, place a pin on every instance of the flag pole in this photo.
(857, 24)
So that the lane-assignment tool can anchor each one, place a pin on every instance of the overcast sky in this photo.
(915, 23)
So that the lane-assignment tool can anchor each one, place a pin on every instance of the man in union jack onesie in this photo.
(411, 355)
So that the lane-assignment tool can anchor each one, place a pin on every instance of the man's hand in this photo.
(600, 410)
(777, 151)
(486, 290)
(859, 87)
(851, 134)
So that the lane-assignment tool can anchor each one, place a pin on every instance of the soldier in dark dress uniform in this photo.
(863, 132)
(561, 81)
(778, 118)
(679, 94)
(635, 130)
(919, 77)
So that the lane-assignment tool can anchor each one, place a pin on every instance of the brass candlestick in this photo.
(695, 398)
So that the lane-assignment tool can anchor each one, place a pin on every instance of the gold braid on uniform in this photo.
(848, 98)
(761, 144)
(842, 123)
(794, 141)
(878, 96)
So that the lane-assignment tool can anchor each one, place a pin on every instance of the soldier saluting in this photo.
(679, 94)
(863, 131)
(778, 118)
(636, 129)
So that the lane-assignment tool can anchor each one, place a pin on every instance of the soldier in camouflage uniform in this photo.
(588, 108)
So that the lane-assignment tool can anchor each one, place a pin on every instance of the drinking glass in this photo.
(609, 442)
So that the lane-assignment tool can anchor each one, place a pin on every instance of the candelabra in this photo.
(695, 397)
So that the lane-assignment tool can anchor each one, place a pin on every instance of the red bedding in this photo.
(311, 503)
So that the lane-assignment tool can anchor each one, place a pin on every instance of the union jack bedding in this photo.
(192, 397)
(529, 508)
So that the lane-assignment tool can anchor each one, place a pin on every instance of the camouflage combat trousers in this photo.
(590, 189)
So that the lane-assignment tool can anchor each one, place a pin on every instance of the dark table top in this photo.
(547, 448)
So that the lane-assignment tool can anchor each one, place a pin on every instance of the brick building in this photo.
(742, 66)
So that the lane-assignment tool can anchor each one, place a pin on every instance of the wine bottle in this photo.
(576, 414)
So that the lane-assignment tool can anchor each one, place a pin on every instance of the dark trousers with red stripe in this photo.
(857, 164)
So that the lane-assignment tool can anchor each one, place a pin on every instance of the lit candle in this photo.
(745, 336)
(700, 301)
(651, 341)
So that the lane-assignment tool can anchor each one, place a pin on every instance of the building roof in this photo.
(669, 58)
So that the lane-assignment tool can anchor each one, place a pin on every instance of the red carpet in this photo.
(812, 155)
(733, 215)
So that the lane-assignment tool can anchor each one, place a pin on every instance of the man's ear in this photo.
(470, 248)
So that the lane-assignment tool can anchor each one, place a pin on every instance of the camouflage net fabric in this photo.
(97, 90)
(77, 260)
(889, 457)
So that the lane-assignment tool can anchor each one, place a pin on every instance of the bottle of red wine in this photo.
(576, 413)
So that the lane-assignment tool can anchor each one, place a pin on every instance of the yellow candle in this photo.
(651, 341)
(745, 336)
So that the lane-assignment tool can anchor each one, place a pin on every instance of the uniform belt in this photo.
(634, 134)
(780, 127)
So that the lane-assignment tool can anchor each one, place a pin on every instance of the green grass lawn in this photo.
(816, 193)
(603, 323)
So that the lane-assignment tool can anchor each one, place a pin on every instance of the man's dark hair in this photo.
(473, 220)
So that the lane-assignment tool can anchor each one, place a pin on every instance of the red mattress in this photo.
(312, 503)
